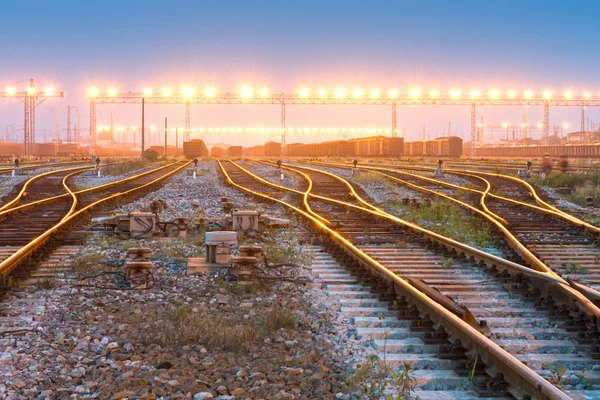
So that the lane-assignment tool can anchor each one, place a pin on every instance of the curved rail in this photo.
(515, 372)
(11, 262)
(23, 190)
(568, 292)
(545, 207)
(92, 189)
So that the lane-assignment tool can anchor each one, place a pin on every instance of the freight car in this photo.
(377, 146)
(440, 147)
(571, 150)
(193, 149)
(234, 151)
(272, 149)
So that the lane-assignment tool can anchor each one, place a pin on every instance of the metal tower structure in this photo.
(283, 99)
(31, 98)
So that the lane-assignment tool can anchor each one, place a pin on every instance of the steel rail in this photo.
(515, 372)
(11, 262)
(545, 207)
(480, 255)
(565, 291)
(8, 170)
(304, 194)
(92, 189)
(23, 190)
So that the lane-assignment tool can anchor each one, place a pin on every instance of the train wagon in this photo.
(272, 149)
(194, 148)
(234, 151)
(392, 147)
(533, 151)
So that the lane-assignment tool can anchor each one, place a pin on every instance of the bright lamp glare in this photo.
(210, 92)
(528, 94)
(49, 91)
(246, 92)
(340, 92)
(568, 95)
(474, 93)
(455, 93)
(586, 95)
(10, 91)
(166, 92)
(93, 92)
(434, 93)
(322, 92)
(30, 90)
(393, 93)
(111, 91)
(375, 93)
(357, 93)
(264, 92)
(547, 94)
(304, 92)
(188, 92)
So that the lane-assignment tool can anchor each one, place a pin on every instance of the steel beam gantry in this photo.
(284, 99)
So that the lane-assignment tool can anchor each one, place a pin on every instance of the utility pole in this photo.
(143, 124)
(78, 130)
(166, 130)
(176, 140)
(56, 134)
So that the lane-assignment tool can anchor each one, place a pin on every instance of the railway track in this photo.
(24, 230)
(558, 240)
(514, 318)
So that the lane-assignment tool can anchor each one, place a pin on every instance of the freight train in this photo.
(194, 148)
(376, 146)
(570, 150)
(450, 146)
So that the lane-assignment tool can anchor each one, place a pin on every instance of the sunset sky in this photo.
(284, 46)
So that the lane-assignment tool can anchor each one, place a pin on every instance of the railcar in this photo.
(192, 149)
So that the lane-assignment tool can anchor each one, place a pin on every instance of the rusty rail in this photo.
(515, 372)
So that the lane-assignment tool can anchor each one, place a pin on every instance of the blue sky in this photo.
(284, 45)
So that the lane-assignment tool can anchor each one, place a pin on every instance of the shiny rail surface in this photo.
(516, 373)
(53, 214)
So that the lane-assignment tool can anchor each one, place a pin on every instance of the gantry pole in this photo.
(394, 125)
(143, 125)
(187, 121)
(473, 130)
(546, 131)
(93, 127)
(283, 144)
(26, 126)
(582, 119)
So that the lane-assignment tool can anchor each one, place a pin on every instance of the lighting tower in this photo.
(30, 98)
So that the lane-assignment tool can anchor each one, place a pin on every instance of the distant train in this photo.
(571, 150)
(450, 146)
(194, 148)
(375, 146)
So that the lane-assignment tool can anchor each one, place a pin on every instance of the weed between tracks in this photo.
(373, 379)
(582, 185)
(450, 220)
(121, 168)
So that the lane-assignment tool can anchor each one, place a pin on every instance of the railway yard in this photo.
(252, 279)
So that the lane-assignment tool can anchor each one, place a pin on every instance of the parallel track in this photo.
(404, 253)
(48, 217)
